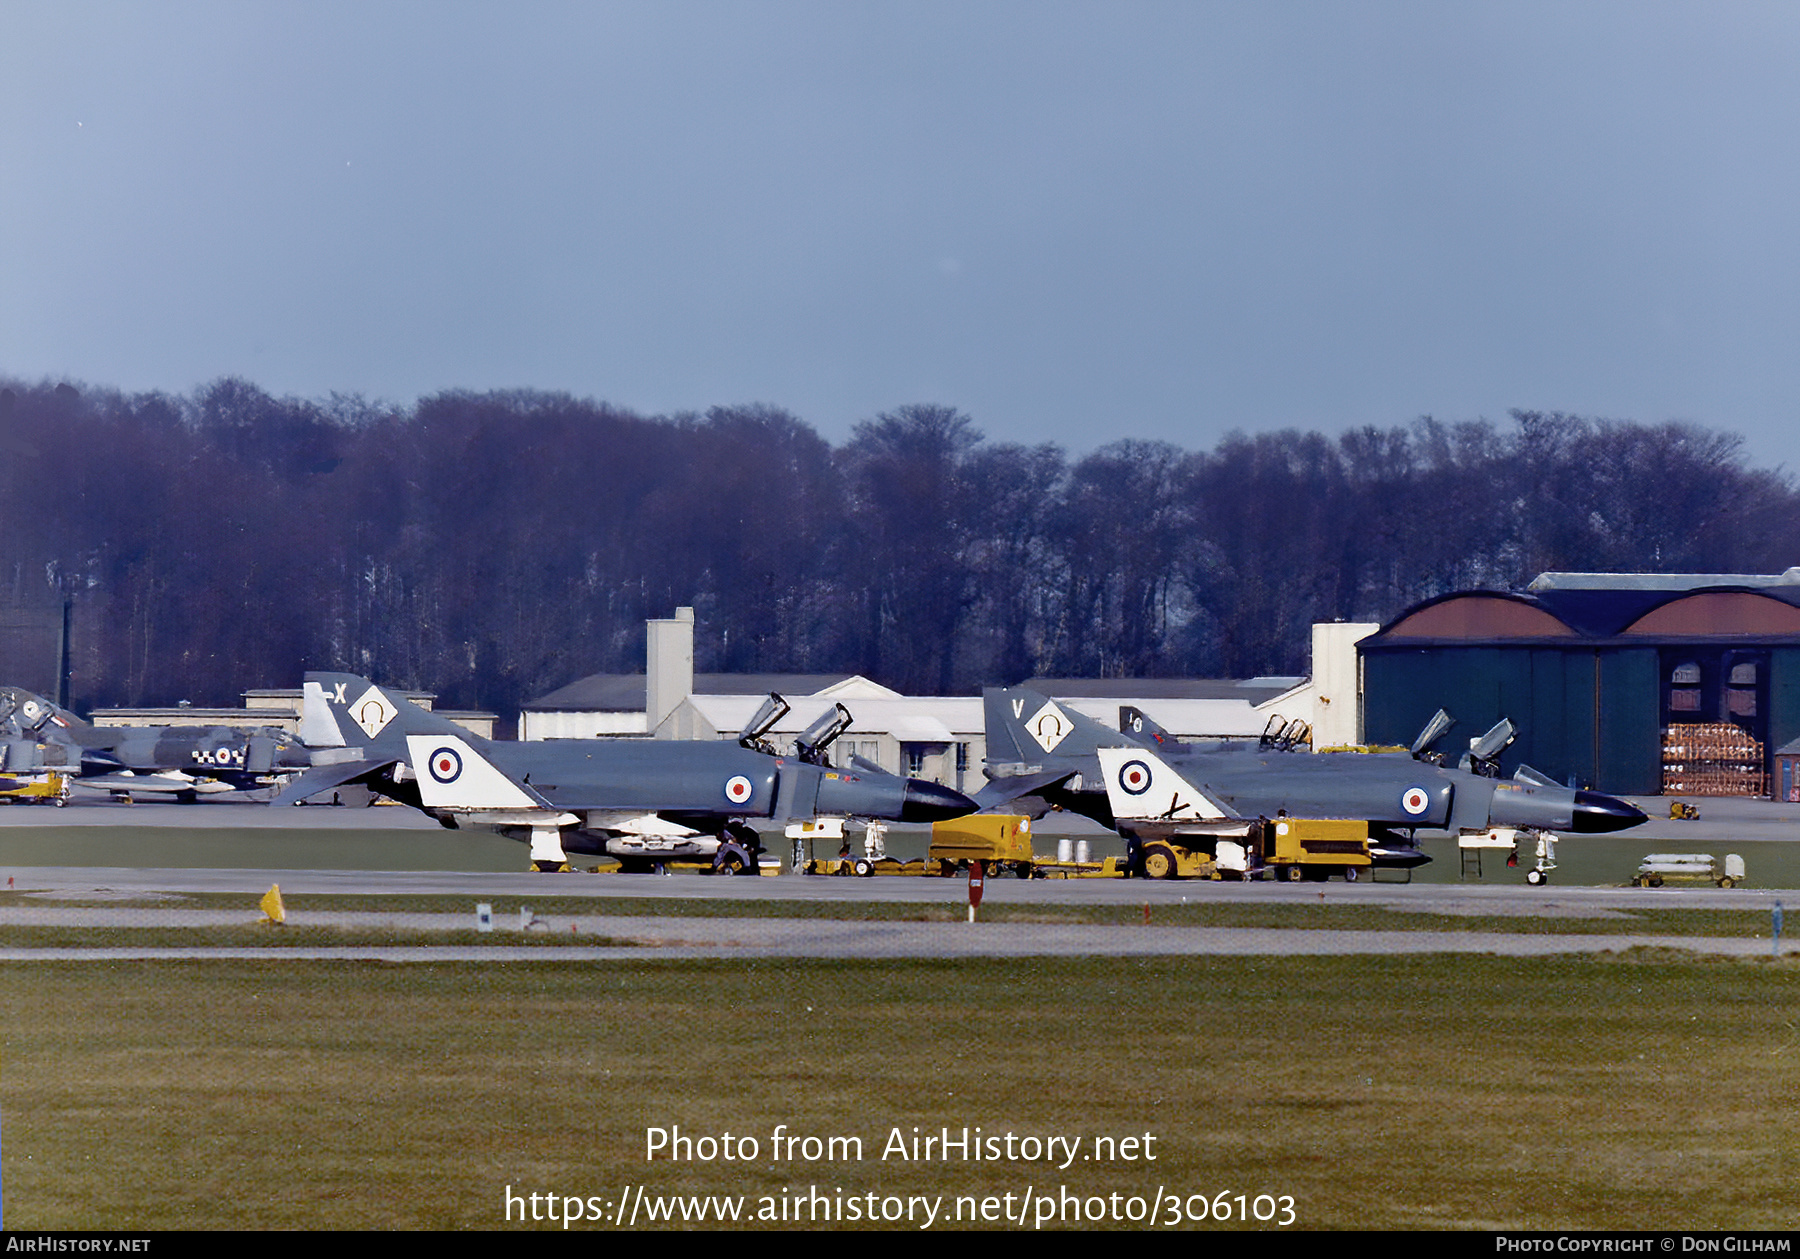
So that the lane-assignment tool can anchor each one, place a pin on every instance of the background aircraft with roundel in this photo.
(183, 762)
(642, 801)
(1144, 783)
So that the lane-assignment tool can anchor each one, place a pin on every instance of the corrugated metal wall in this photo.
(1602, 730)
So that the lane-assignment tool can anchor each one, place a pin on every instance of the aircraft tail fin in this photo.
(30, 715)
(1141, 726)
(1024, 727)
(341, 710)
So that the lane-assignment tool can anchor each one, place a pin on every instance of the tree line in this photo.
(494, 546)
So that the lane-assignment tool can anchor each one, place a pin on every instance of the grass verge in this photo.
(1661, 919)
(1636, 1091)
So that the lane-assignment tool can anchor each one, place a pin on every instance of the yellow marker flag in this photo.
(271, 905)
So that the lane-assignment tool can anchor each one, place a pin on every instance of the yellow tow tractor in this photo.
(1285, 848)
(49, 788)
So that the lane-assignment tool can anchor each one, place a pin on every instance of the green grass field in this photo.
(1633, 1091)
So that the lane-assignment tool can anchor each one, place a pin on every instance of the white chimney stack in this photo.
(669, 666)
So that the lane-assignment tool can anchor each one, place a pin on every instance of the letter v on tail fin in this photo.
(1025, 727)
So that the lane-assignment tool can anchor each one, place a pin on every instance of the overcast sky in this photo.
(1076, 222)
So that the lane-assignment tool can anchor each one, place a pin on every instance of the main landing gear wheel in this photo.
(732, 859)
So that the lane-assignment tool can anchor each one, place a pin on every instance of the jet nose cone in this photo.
(932, 802)
(1595, 813)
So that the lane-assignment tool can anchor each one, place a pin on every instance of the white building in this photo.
(940, 738)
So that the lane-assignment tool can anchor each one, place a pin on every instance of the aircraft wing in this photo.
(1003, 791)
(324, 778)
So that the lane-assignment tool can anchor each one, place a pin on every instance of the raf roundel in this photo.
(738, 789)
(1134, 777)
(445, 765)
(1415, 801)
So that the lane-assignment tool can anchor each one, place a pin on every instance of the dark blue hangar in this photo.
(1626, 683)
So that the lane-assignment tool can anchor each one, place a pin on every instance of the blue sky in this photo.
(1076, 222)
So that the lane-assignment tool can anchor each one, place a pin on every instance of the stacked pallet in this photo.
(1717, 759)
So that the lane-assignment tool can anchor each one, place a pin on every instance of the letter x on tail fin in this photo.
(370, 724)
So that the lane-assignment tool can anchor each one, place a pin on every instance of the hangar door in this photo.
(1715, 714)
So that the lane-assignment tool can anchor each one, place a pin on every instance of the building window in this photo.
(1684, 688)
(1740, 690)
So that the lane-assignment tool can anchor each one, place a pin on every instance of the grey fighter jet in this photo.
(184, 762)
(642, 801)
(1145, 784)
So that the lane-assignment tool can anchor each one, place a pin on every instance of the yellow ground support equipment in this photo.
(1170, 859)
(1316, 848)
(35, 789)
(1002, 840)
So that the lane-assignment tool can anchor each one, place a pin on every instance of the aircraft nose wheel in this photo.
(1537, 878)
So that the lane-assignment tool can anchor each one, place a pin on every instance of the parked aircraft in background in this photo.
(1145, 784)
(643, 801)
(184, 762)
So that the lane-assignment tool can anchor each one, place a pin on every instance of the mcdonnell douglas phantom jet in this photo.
(1146, 785)
(642, 801)
(185, 762)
